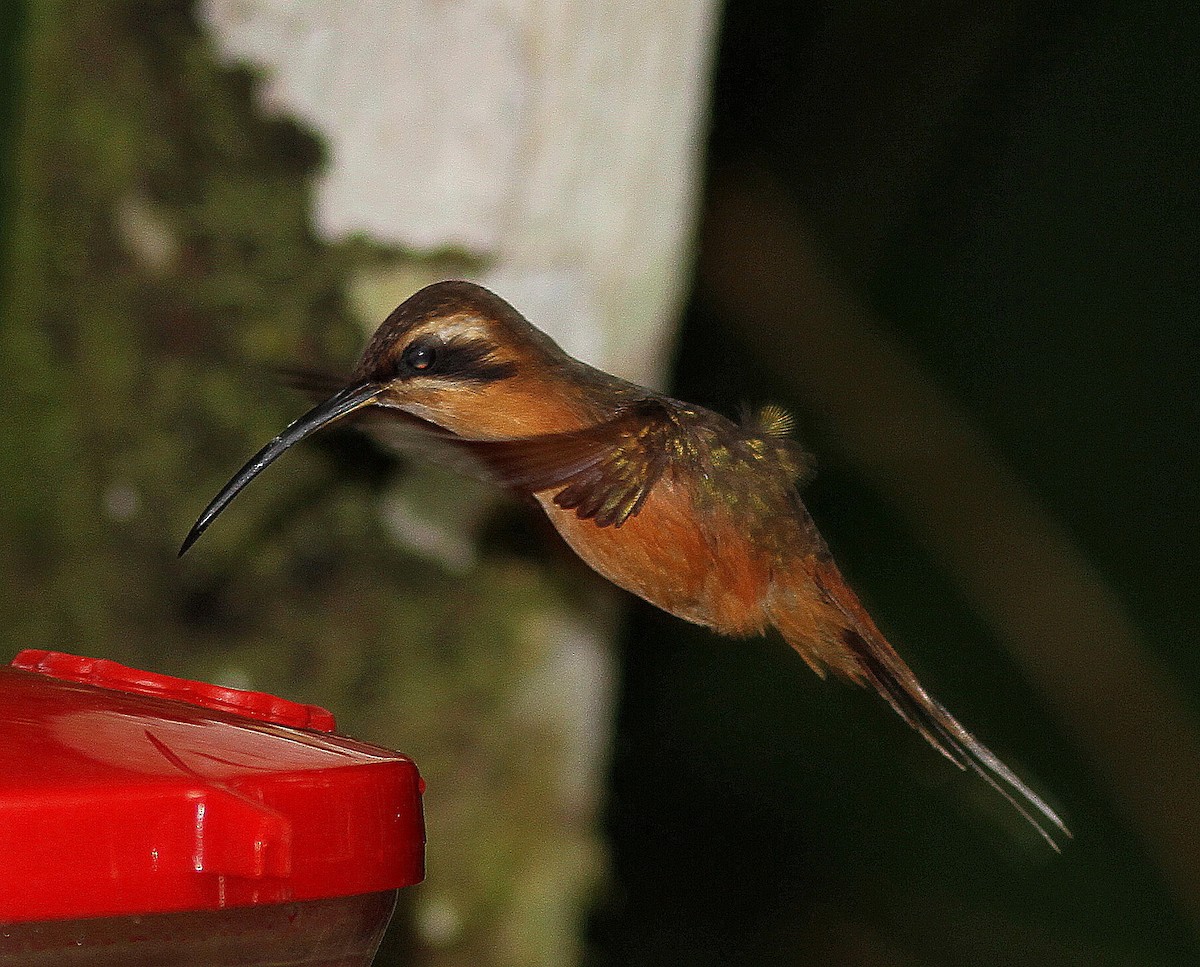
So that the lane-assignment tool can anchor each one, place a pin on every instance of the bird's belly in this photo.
(698, 571)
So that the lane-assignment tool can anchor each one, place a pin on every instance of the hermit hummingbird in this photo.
(694, 513)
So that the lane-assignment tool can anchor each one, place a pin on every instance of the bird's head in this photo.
(453, 355)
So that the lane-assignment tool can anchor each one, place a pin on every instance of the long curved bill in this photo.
(335, 408)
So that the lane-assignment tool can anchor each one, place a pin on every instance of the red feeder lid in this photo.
(124, 792)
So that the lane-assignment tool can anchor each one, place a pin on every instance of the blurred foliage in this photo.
(160, 235)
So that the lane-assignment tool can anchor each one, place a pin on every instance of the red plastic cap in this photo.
(108, 674)
(117, 798)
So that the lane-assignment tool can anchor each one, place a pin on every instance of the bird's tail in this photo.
(832, 630)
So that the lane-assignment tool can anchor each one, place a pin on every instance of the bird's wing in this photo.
(605, 471)
(318, 384)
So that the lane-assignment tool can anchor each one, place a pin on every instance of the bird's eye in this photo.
(419, 356)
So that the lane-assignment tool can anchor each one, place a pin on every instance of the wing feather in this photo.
(604, 471)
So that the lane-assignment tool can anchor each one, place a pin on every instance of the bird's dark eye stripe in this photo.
(471, 360)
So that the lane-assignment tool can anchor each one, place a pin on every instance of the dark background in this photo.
(1011, 190)
(1008, 193)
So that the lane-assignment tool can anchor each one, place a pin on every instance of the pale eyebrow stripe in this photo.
(456, 327)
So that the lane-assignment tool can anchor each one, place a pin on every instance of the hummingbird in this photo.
(697, 514)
